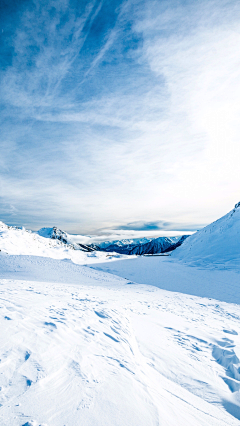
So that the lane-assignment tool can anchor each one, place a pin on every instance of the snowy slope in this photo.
(217, 243)
(22, 242)
(167, 273)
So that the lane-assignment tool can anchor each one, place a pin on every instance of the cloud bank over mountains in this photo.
(118, 114)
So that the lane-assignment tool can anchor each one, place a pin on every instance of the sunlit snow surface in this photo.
(16, 241)
(108, 352)
(217, 244)
(81, 346)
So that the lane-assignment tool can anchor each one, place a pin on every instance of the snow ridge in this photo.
(216, 244)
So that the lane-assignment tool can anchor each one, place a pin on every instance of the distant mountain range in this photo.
(15, 240)
(126, 246)
(152, 246)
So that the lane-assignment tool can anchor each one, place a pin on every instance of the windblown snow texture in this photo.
(105, 353)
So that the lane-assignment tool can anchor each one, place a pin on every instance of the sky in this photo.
(119, 115)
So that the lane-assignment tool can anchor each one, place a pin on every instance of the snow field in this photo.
(117, 355)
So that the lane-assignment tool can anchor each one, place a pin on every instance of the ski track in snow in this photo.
(116, 355)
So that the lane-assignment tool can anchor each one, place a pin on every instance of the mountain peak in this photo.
(54, 233)
(237, 205)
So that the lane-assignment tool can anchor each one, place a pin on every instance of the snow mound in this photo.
(217, 243)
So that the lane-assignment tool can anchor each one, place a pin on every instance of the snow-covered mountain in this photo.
(157, 245)
(135, 246)
(123, 243)
(140, 247)
(125, 246)
(217, 243)
(48, 242)
(177, 244)
(57, 234)
(14, 240)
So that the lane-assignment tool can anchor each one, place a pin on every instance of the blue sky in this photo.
(119, 114)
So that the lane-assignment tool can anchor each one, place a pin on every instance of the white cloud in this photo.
(164, 144)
